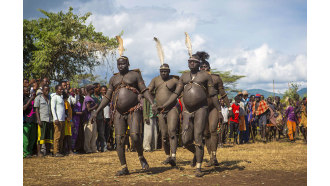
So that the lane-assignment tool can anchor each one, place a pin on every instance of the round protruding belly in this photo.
(194, 97)
(126, 99)
(162, 95)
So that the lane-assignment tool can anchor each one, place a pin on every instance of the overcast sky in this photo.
(263, 40)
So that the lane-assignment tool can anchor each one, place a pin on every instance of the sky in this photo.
(263, 40)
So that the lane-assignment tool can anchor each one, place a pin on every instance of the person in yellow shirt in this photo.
(67, 125)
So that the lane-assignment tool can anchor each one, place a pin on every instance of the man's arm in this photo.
(53, 108)
(29, 102)
(144, 90)
(222, 92)
(175, 95)
(36, 106)
(152, 85)
(106, 99)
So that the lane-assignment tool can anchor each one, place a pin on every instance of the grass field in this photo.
(274, 163)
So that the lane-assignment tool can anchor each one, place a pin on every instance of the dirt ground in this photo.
(274, 163)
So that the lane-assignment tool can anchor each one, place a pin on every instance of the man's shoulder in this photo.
(174, 77)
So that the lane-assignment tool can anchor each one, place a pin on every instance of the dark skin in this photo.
(164, 86)
(68, 86)
(26, 92)
(211, 135)
(124, 99)
(196, 86)
(58, 92)
(63, 85)
(25, 83)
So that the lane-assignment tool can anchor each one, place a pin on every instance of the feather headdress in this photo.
(120, 45)
(188, 44)
(160, 51)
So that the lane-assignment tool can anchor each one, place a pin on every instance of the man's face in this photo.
(122, 65)
(46, 81)
(164, 73)
(25, 82)
(269, 100)
(97, 88)
(103, 91)
(59, 90)
(257, 99)
(277, 99)
(193, 65)
(91, 91)
(222, 102)
(63, 85)
(68, 85)
(45, 91)
(204, 67)
(26, 91)
(245, 96)
(237, 100)
(252, 98)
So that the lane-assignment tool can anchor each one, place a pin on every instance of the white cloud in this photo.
(243, 36)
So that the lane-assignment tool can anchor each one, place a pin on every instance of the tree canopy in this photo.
(61, 46)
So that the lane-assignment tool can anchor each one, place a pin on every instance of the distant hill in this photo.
(301, 93)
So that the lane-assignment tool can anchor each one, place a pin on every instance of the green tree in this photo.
(229, 80)
(292, 92)
(62, 46)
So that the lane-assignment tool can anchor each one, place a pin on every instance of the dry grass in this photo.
(100, 168)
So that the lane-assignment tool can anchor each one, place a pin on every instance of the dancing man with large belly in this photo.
(123, 91)
(211, 136)
(197, 86)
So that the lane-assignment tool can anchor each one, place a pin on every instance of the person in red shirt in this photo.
(234, 121)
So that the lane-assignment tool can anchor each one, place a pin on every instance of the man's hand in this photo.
(39, 123)
(57, 122)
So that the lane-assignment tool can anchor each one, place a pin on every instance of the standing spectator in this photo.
(259, 111)
(58, 111)
(76, 115)
(78, 119)
(224, 124)
(252, 123)
(150, 135)
(303, 121)
(29, 123)
(245, 100)
(234, 121)
(67, 144)
(291, 120)
(99, 119)
(64, 86)
(44, 118)
(90, 129)
(107, 129)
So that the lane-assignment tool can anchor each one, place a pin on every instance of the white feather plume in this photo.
(159, 50)
(120, 45)
(188, 44)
